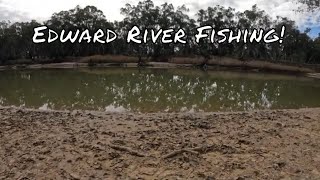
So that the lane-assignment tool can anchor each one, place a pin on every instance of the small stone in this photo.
(75, 176)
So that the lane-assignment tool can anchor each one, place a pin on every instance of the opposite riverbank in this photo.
(214, 63)
(275, 144)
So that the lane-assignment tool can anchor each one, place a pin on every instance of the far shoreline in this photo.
(215, 63)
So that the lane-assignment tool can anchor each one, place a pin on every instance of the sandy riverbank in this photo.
(96, 145)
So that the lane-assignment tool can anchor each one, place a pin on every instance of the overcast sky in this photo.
(24, 10)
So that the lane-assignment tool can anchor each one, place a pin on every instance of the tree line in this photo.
(16, 38)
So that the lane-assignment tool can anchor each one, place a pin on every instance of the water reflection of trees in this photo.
(153, 90)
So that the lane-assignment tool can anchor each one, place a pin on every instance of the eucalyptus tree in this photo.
(312, 5)
(88, 18)
(147, 16)
(144, 15)
(254, 19)
(219, 18)
(183, 21)
(297, 46)
(4, 40)
(315, 58)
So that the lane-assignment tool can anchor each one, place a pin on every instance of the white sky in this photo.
(17, 10)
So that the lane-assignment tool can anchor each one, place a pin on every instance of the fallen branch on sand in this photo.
(190, 150)
(175, 153)
(202, 149)
(129, 150)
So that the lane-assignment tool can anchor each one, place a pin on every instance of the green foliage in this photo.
(16, 38)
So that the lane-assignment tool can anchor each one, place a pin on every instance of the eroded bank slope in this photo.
(84, 145)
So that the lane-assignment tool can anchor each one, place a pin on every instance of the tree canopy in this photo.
(16, 38)
(312, 4)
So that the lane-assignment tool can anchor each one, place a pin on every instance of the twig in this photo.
(197, 150)
(129, 150)
(174, 153)
(203, 148)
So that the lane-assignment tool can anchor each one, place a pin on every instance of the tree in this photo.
(148, 16)
(297, 46)
(312, 4)
(218, 17)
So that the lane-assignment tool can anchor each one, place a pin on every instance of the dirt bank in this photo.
(174, 62)
(93, 145)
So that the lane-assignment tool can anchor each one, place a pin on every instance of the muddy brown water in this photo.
(155, 90)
